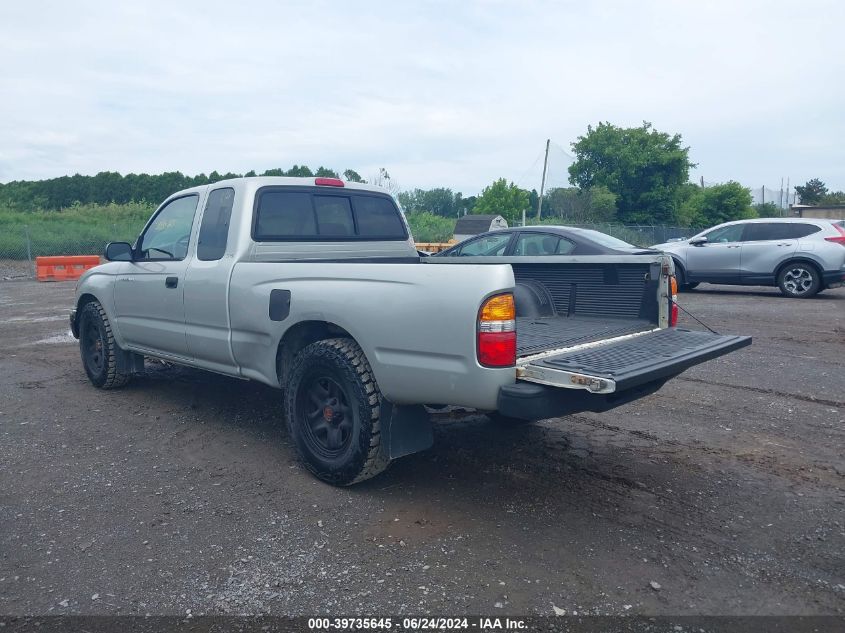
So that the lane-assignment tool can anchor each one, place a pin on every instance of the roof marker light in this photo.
(328, 182)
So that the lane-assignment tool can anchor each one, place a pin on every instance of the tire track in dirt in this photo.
(763, 390)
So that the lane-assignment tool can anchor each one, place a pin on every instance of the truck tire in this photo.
(799, 280)
(332, 405)
(98, 348)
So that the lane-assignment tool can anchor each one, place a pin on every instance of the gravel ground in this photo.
(720, 494)
(15, 269)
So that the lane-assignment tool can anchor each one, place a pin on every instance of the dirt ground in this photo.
(720, 494)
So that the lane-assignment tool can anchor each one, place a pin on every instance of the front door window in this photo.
(167, 236)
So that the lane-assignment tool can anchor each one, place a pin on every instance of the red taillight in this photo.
(497, 349)
(328, 182)
(497, 332)
(840, 239)
(673, 298)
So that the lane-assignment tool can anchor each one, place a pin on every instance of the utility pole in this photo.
(787, 192)
(543, 181)
(781, 193)
(702, 182)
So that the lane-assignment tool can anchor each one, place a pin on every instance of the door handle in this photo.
(171, 282)
(734, 245)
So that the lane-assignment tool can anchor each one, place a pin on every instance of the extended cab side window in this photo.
(214, 228)
(167, 236)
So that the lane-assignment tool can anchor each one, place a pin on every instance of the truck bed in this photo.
(563, 306)
(536, 335)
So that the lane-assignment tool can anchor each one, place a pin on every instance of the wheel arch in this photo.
(679, 265)
(298, 337)
(800, 260)
(84, 299)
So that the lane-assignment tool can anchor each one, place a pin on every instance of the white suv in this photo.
(801, 256)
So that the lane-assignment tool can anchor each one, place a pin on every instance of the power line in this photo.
(521, 180)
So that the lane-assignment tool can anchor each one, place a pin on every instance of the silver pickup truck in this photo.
(314, 286)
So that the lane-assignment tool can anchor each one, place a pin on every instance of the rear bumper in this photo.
(833, 278)
(531, 401)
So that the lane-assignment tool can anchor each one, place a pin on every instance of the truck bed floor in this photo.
(539, 335)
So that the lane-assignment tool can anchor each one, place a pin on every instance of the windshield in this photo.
(604, 239)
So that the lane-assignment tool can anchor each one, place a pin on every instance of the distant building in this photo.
(470, 225)
(819, 212)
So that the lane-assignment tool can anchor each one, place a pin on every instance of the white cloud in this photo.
(442, 94)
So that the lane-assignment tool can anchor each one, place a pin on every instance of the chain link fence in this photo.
(21, 244)
(643, 235)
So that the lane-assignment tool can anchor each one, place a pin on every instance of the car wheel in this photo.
(98, 348)
(799, 280)
(681, 277)
(332, 406)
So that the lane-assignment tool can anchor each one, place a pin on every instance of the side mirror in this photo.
(118, 252)
(698, 241)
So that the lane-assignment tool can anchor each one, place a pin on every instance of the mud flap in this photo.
(405, 429)
(129, 362)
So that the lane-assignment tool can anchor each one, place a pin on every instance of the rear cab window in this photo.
(290, 214)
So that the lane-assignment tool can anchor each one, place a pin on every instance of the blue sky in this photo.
(450, 94)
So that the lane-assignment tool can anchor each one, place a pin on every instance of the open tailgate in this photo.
(620, 365)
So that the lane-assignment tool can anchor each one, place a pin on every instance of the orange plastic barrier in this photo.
(435, 247)
(63, 268)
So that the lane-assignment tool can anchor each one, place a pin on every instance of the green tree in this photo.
(812, 191)
(299, 171)
(428, 227)
(717, 204)
(352, 176)
(768, 210)
(439, 201)
(534, 202)
(464, 205)
(573, 205)
(644, 168)
(834, 197)
(503, 199)
(325, 172)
